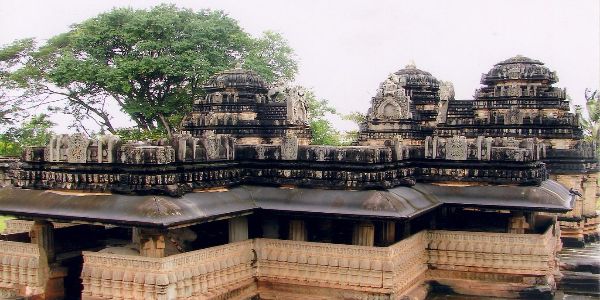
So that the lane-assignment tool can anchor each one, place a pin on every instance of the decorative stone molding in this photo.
(20, 226)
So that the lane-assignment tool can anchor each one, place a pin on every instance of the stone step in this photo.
(580, 283)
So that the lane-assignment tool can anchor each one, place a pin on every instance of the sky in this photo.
(346, 48)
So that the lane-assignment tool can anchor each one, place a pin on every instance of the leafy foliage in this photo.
(10, 57)
(35, 132)
(591, 123)
(323, 131)
(136, 134)
(150, 63)
(272, 58)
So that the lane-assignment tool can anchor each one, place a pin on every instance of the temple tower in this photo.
(405, 105)
(239, 102)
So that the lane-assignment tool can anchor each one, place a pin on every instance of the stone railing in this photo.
(408, 260)
(384, 270)
(23, 268)
(527, 254)
(211, 273)
(200, 274)
(319, 264)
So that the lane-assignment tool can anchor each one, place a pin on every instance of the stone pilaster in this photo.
(297, 230)
(406, 230)
(42, 234)
(364, 234)
(387, 235)
(238, 229)
(152, 242)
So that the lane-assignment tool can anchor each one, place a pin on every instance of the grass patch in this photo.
(2, 224)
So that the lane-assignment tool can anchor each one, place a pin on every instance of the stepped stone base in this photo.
(491, 285)
(580, 268)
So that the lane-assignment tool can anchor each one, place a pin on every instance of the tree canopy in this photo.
(150, 63)
(591, 123)
(34, 132)
(323, 131)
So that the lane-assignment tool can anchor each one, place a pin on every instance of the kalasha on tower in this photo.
(239, 103)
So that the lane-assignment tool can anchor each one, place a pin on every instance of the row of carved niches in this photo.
(484, 148)
(280, 102)
(581, 150)
(185, 163)
(506, 103)
(211, 119)
(581, 158)
(542, 132)
(530, 72)
(231, 97)
(521, 90)
(108, 149)
(77, 148)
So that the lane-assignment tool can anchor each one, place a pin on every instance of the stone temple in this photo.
(470, 196)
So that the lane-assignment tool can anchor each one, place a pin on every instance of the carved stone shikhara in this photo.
(422, 160)
(239, 103)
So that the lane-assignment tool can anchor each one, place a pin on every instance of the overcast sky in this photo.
(346, 48)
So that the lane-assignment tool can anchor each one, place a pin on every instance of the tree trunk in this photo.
(165, 123)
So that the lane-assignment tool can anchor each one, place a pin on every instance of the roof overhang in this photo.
(197, 207)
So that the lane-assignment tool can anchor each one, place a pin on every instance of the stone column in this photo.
(42, 234)
(152, 242)
(518, 223)
(297, 230)
(364, 234)
(238, 229)
(406, 230)
(387, 236)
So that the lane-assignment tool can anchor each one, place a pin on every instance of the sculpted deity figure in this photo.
(295, 98)
(446, 95)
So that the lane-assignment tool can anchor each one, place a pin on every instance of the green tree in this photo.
(272, 58)
(34, 132)
(150, 63)
(591, 122)
(323, 131)
(358, 118)
(11, 98)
